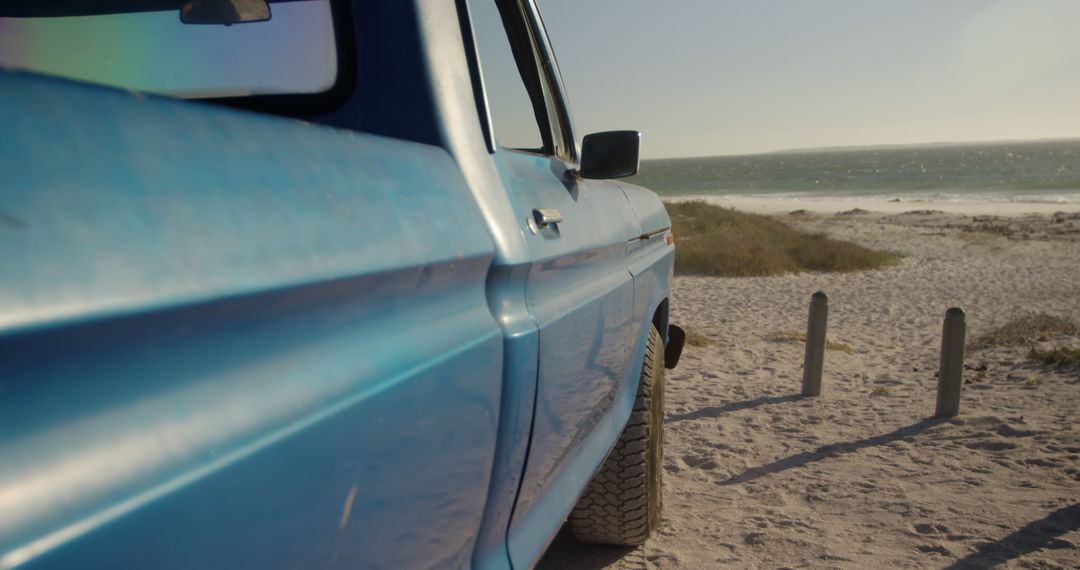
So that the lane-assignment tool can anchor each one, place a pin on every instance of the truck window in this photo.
(139, 45)
(513, 109)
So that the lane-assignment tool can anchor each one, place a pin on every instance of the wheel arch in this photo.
(660, 318)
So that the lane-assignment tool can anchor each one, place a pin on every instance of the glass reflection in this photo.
(294, 52)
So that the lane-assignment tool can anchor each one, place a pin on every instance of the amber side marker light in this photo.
(670, 238)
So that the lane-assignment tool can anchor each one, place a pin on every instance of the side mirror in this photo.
(227, 12)
(610, 154)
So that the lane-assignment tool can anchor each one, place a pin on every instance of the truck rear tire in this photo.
(623, 501)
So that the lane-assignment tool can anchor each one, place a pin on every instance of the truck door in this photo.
(236, 341)
(578, 288)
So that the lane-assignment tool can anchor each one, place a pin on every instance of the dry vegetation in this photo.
(1058, 356)
(722, 242)
(697, 339)
(1024, 328)
(1029, 328)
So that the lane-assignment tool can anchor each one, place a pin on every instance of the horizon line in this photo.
(871, 146)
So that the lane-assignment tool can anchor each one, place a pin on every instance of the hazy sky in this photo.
(706, 77)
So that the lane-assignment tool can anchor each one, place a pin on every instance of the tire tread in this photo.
(619, 507)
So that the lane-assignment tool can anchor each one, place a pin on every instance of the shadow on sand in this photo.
(566, 552)
(833, 450)
(717, 411)
(1042, 533)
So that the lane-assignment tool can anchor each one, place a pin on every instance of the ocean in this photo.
(1040, 171)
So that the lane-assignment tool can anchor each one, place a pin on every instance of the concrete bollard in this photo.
(952, 363)
(815, 344)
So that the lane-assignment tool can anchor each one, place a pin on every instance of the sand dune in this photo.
(757, 477)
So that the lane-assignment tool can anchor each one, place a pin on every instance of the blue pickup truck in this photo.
(317, 283)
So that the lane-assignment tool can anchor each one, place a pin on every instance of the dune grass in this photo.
(720, 242)
(1058, 356)
(1024, 328)
(697, 339)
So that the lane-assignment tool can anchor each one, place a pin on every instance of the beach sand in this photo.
(881, 205)
(861, 477)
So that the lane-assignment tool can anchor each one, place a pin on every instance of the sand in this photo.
(882, 205)
(861, 477)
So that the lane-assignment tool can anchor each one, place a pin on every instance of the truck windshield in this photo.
(294, 52)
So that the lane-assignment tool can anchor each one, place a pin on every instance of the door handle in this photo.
(546, 216)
